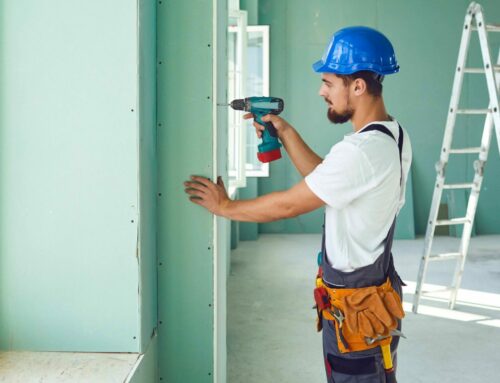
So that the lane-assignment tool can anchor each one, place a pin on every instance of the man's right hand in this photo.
(279, 123)
(304, 159)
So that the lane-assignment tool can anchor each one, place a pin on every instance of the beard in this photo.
(340, 118)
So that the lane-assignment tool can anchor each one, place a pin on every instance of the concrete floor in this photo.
(66, 367)
(271, 326)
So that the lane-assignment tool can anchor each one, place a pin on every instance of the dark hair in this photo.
(373, 81)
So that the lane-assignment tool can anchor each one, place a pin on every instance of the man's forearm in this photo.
(302, 156)
(267, 208)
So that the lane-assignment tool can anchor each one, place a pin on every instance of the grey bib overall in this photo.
(361, 366)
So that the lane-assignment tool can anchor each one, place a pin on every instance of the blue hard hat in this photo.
(358, 48)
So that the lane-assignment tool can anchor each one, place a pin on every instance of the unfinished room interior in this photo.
(249, 191)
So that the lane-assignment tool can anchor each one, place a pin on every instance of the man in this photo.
(361, 182)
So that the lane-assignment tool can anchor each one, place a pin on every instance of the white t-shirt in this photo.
(359, 181)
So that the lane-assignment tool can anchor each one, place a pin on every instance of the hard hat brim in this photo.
(321, 67)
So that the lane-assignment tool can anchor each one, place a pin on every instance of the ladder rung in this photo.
(444, 256)
(473, 111)
(446, 290)
(453, 221)
(493, 27)
(459, 186)
(465, 151)
(489, 28)
(496, 68)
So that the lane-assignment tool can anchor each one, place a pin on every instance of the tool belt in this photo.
(364, 317)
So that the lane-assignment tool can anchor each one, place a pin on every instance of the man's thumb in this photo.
(219, 181)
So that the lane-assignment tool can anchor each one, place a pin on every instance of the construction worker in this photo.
(361, 183)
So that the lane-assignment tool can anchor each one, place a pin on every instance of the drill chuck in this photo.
(238, 104)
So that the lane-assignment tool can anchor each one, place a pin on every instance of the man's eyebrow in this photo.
(326, 81)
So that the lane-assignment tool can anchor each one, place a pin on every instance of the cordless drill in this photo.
(269, 149)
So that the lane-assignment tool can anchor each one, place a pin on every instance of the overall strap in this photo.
(381, 128)
(376, 273)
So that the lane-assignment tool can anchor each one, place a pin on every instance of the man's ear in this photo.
(359, 86)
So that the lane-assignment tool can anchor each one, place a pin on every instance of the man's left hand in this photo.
(204, 192)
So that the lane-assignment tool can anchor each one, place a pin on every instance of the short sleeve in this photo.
(344, 175)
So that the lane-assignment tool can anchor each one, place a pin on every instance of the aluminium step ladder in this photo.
(474, 21)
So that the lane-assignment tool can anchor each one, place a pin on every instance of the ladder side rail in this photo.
(456, 89)
(448, 134)
(490, 73)
(474, 196)
(429, 237)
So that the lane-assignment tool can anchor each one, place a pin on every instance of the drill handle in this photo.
(270, 129)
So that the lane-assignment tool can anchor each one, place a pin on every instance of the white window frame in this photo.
(237, 176)
(251, 171)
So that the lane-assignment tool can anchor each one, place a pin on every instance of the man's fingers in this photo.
(202, 180)
(248, 116)
(258, 126)
(195, 185)
(268, 117)
(195, 192)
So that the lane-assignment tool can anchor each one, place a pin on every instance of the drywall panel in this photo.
(223, 226)
(248, 231)
(148, 171)
(191, 243)
(69, 176)
(146, 367)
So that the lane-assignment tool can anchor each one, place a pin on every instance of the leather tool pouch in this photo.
(361, 313)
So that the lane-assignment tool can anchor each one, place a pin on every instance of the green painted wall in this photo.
(252, 8)
(192, 244)
(76, 183)
(426, 36)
